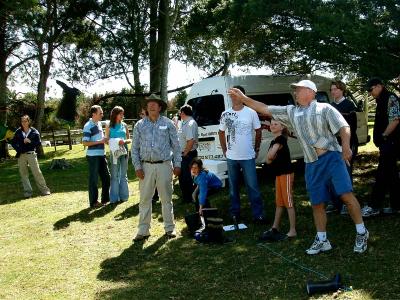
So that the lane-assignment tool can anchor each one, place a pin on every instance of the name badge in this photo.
(298, 114)
(162, 127)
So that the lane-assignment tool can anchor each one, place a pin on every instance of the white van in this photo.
(209, 99)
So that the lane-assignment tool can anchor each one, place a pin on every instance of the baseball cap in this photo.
(305, 83)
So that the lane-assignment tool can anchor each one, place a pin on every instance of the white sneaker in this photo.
(368, 211)
(361, 242)
(319, 246)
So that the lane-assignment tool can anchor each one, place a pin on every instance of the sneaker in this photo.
(171, 234)
(97, 204)
(330, 208)
(344, 210)
(319, 246)
(368, 211)
(141, 237)
(273, 235)
(361, 242)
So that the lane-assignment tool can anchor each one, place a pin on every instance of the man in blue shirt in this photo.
(93, 138)
(156, 156)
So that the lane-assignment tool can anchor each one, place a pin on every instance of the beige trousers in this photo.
(30, 159)
(156, 176)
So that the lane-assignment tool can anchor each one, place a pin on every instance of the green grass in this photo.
(55, 248)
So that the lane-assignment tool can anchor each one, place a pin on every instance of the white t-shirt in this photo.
(239, 128)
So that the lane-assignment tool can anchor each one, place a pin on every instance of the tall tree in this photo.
(12, 54)
(299, 36)
(54, 24)
(133, 35)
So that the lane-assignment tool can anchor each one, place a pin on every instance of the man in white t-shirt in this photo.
(236, 129)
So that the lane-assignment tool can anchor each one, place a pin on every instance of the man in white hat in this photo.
(315, 125)
(156, 156)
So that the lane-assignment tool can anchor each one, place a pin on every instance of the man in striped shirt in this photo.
(93, 138)
(315, 125)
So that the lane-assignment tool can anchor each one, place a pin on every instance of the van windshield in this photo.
(207, 110)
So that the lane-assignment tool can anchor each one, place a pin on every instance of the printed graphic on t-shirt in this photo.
(235, 127)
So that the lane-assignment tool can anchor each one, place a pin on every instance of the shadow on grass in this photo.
(59, 181)
(130, 212)
(86, 215)
(131, 260)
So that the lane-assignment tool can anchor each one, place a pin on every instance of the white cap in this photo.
(305, 83)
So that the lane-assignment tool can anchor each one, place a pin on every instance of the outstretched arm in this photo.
(259, 107)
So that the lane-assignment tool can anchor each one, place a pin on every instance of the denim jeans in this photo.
(98, 167)
(119, 179)
(250, 178)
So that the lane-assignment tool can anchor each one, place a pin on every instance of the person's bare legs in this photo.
(278, 217)
(292, 222)
(353, 207)
(319, 217)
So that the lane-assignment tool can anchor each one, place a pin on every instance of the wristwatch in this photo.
(384, 136)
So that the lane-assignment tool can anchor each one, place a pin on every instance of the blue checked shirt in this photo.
(315, 126)
(155, 141)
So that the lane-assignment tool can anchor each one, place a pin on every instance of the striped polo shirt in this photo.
(315, 126)
(93, 132)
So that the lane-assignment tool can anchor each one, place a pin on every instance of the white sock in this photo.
(360, 228)
(321, 236)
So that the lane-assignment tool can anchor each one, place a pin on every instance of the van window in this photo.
(207, 110)
(274, 99)
(322, 97)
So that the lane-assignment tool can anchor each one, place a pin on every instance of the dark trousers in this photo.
(98, 167)
(386, 177)
(210, 191)
(185, 179)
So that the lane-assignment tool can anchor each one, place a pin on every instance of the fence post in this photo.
(69, 137)
(54, 140)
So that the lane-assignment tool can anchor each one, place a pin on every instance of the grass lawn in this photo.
(55, 247)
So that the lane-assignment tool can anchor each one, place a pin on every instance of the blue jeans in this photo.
(250, 178)
(98, 167)
(119, 179)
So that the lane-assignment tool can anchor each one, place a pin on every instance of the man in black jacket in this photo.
(387, 139)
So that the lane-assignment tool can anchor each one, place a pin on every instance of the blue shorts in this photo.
(327, 173)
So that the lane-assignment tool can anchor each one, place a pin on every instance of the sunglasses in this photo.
(370, 89)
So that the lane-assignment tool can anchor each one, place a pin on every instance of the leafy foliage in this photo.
(302, 36)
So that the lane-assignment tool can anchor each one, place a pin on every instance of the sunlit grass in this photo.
(55, 247)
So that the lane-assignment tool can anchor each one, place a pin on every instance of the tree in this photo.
(180, 99)
(12, 54)
(302, 36)
(53, 24)
(132, 34)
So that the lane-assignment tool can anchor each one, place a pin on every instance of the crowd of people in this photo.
(162, 148)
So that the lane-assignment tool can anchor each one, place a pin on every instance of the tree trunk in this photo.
(3, 82)
(3, 66)
(153, 48)
(164, 41)
(41, 95)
